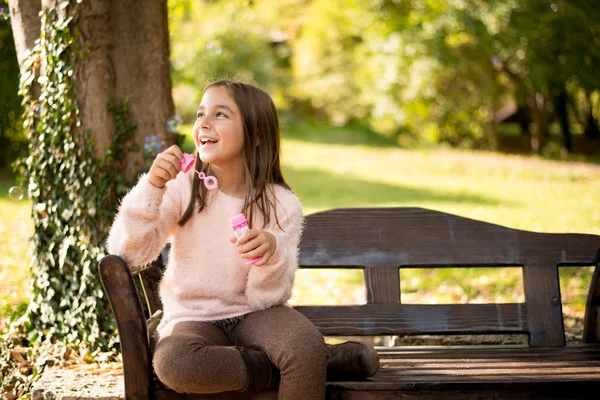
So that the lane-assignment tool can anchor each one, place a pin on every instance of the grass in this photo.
(514, 191)
(349, 167)
(16, 227)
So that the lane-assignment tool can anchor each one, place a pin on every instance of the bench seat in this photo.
(467, 372)
(442, 368)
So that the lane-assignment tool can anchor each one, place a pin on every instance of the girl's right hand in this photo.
(165, 167)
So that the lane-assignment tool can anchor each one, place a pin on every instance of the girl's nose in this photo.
(205, 124)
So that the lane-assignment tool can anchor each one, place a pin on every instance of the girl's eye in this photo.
(201, 115)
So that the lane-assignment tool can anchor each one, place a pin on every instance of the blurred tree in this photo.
(326, 58)
(432, 64)
(424, 71)
(439, 71)
(225, 39)
(422, 68)
(542, 47)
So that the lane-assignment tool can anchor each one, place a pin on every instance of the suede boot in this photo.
(351, 361)
(261, 373)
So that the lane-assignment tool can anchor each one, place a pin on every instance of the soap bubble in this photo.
(36, 107)
(4, 13)
(16, 193)
(173, 124)
(214, 47)
(497, 62)
(153, 145)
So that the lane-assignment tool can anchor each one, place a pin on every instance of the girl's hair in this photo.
(260, 152)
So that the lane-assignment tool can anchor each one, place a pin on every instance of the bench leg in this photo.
(591, 322)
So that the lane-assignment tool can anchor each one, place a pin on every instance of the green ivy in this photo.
(75, 196)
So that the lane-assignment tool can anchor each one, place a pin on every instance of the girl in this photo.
(224, 325)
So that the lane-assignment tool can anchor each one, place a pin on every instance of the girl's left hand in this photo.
(254, 243)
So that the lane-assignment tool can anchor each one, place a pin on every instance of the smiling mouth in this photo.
(207, 142)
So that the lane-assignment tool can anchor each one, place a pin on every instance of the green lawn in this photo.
(16, 227)
(519, 192)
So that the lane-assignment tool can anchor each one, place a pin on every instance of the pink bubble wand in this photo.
(188, 163)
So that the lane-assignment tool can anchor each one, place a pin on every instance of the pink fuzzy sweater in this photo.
(206, 279)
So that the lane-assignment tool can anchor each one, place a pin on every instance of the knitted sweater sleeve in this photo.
(271, 284)
(142, 226)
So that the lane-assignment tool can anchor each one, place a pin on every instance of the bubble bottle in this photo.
(239, 223)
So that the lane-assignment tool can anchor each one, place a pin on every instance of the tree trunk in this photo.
(563, 117)
(591, 127)
(126, 47)
(540, 119)
(25, 24)
(140, 59)
(128, 61)
(524, 122)
(95, 73)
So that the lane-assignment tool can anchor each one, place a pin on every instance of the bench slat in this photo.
(457, 391)
(372, 237)
(398, 319)
(490, 365)
(383, 285)
(544, 306)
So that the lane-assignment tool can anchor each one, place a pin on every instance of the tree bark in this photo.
(140, 59)
(125, 58)
(25, 23)
(94, 72)
(127, 61)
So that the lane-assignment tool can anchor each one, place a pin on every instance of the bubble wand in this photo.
(188, 163)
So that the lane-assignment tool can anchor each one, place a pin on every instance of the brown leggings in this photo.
(200, 357)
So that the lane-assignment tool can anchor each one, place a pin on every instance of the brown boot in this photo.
(351, 360)
(261, 373)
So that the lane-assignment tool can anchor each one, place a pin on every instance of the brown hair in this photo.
(262, 165)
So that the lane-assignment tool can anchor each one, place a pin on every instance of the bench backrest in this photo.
(382, 240)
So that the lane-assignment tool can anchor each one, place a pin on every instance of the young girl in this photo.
(224, 324)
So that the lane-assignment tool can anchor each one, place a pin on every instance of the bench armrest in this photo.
(591, 322)
(131, 325)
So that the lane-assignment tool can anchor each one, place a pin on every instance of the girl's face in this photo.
(218, 131)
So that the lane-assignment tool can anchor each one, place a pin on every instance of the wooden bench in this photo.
(382, 240)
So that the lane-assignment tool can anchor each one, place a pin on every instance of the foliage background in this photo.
(423, 72)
